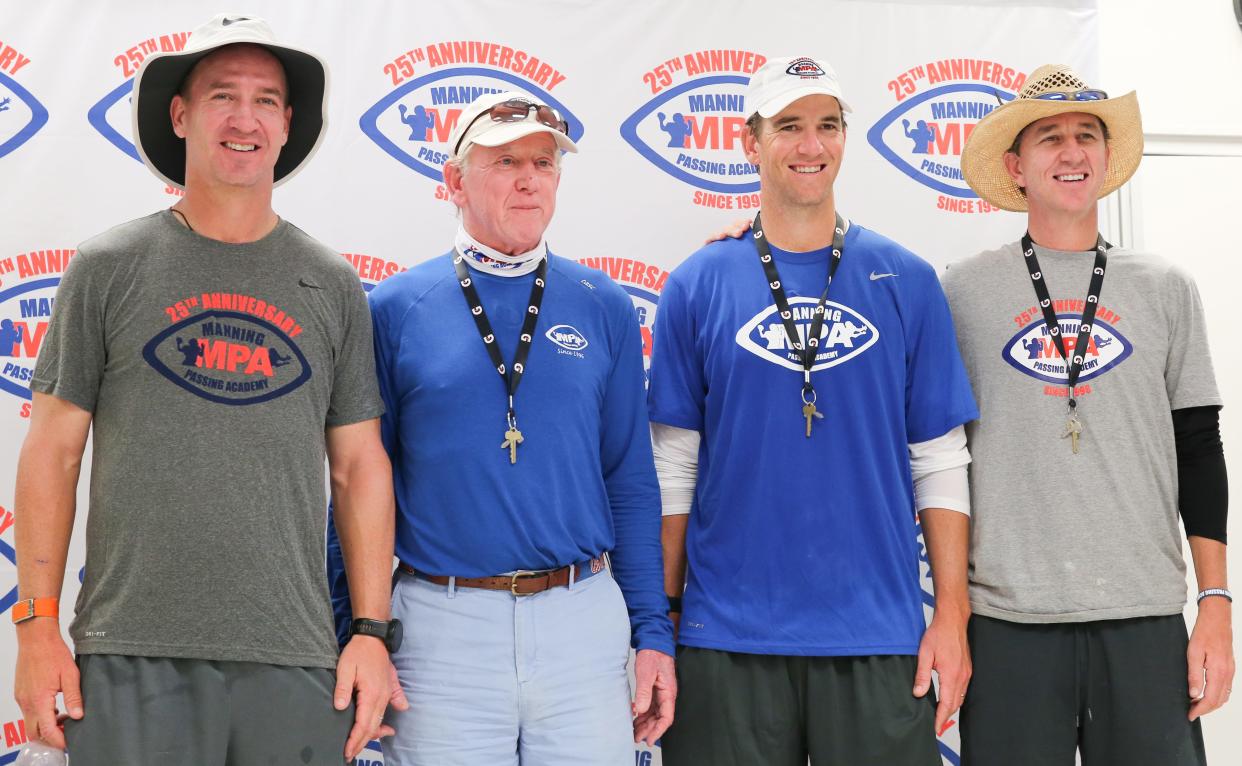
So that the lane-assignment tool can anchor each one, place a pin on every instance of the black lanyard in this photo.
(512, 376)
(1074, 366)
(807, 351)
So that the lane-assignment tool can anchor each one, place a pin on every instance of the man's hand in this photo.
(655, 679)
(44, 667)
(365, 672)
(734, 230)
(1210, 655)
(944, 649)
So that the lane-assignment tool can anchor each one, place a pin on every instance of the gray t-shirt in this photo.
(211, 371)
(1059, 537)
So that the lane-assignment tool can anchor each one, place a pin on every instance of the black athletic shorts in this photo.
(1114, 689)
(766, 710)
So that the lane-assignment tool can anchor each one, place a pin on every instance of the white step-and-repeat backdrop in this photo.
(653, 92)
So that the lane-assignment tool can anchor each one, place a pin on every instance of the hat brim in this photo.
(506, 132)
(160, 77)
(774, 106)
(983, 156)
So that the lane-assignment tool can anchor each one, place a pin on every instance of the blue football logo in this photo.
(25, 310)
(923, 136)
(412, 124)
(693, 132)
(228, 357)
(843, 335)
(21, 115)
(111, 117)
(1033, 352)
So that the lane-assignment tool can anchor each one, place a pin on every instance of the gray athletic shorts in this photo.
(149, 711)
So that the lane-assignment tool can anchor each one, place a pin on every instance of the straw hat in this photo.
(1050, 90)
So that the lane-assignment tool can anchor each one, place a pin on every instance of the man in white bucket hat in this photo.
(218, 353)
(1098, 426)
(513, 387)
(820, 352)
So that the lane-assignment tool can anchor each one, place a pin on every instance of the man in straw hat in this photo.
(513, 385)
(1098, 425)
(203, 629)
(806, 397)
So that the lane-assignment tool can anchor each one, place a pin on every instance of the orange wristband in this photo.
(35, 607)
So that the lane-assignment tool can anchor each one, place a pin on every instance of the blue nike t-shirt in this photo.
(804, 546)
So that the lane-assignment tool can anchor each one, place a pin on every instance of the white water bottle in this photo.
(38, 754)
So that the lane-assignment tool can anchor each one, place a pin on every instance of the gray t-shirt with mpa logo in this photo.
(1058, 536)
(211, 371)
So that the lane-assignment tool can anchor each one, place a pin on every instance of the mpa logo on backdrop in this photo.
(434, 83)
(21, 114)
(644, 282)
(28, 283)
(938, 104)
(371, 269)
(692, 127)
(110, 115)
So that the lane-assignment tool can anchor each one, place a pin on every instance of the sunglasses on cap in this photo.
(517, 110)
(1086, 94)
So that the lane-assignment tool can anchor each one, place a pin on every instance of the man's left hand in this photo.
(1210, 655)
(365, 673)
(944, 649)
(655, 679)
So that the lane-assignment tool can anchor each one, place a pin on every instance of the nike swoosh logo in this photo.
(304, 283)
(875, 276)
(228, 21)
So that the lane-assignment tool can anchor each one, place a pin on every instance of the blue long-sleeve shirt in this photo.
(584, 481)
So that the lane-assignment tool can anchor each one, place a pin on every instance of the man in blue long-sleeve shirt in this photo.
(513, 384)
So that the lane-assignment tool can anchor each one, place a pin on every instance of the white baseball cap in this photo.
(474, 128)
(782, 81)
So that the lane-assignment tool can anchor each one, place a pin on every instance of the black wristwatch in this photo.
(388, 632)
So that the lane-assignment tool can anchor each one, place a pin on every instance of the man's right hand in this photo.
(45, 666)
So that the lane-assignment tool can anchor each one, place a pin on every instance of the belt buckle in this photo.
(518, 575)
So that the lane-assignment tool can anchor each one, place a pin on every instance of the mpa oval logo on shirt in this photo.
(1033, 352)
(567, 337)
(228, 357)
(844, 335)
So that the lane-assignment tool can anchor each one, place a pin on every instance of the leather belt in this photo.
(520, 583)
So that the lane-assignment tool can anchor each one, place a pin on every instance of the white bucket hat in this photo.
(162, 74)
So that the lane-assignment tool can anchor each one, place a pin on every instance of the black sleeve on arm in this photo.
(1203, 486)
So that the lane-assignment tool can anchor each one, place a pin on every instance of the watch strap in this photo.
(387, 631)
(28, 609)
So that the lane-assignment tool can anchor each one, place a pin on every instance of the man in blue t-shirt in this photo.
(513, 387)
(797, 431)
